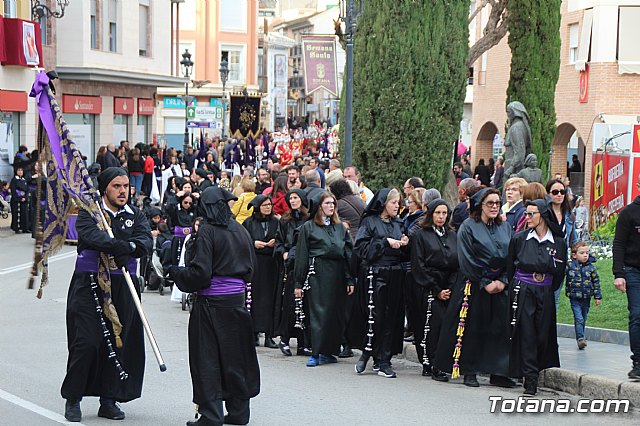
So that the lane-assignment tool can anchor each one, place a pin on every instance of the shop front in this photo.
(146, 108)
(81, 114)
(13, 106)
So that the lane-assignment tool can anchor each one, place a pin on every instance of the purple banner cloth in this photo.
(181, 231)
(72, 233)
(534, 278)
(221, 286)
(87, 261)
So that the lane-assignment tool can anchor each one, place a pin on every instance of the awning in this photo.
(628, 36)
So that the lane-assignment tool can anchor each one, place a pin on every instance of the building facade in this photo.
(599, 83)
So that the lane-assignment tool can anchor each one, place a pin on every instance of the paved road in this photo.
(33, 356)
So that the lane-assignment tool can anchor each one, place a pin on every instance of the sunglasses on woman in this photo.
(558, 191)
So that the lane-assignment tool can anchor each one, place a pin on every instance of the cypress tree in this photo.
(534, 39)
(409, 89)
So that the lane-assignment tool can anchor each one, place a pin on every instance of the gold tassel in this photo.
(457, 351)
(118, 342)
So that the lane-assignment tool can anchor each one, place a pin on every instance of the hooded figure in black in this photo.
(382, 248)
(481, 343)
(434, 266)
(222, 357)
(181, 217)
(90, 369)
(322, 277)
(285, 249)
(19, 202)
(263, 228)
(535, 268)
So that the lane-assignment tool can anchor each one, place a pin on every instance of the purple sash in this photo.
(181, 231)
(221, 286)
(87, 261)
(534, 278)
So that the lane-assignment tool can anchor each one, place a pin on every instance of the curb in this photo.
(572, 382)
(595, 334)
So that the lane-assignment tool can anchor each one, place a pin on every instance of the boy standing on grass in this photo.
(583, 283)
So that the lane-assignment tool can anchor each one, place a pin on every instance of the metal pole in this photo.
(348, 123)
(186, 118)
(224, 108)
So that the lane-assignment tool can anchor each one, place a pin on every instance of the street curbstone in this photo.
(598, 387)
(595, 334)
(562, 380)
(630, 391)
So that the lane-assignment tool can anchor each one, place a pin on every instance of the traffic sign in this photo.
(191, 112)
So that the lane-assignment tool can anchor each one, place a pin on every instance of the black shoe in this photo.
(530, 386)
(269, 343)
(635, 371)
(386, 371)
(426, 370)
(346, 352)
(72, 411)
(361, 365)
(471, 380)
(111, 411)
(501, 381)
(439, 376)
(230, 420)
(408, 336)
(304, 352)
(204, 421)
(284, 348)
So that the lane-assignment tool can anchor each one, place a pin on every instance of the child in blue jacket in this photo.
(583, 283)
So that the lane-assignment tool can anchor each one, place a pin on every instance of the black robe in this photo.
(177, 217)
(329, 248)
(19, 204)
(284, 316)
(222, 355)
(89, 371)
(265, 280)
(534, 344)
(482, 255)
(434, 267)
(373, 249)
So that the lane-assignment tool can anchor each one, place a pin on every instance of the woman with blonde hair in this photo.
(513, 209)
(242, 208)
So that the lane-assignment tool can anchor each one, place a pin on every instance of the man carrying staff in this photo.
(104, 330)
(222, 356)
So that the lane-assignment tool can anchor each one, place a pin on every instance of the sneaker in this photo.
(111, 411)
(346, 352)
(439, 376)
(386, 371)
(72, 411)
(408, 336)
(471, 380)
(304, 352)
(361, 365)
(582, 344)
(313, 361)
(501, 381)
(375, 367)
(635, 371)
(284, 348)
(328, 359)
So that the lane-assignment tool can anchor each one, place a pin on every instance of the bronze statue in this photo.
(518, 140)
(531, 173)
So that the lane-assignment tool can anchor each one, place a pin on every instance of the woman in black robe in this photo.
(285, 249)
(475, 336)
(181, 216)
(263, 228)
(222, 358)
(434, 267)
(322, 277)
(19, 202)
(382, 248)
(33, 198)
(535, 267)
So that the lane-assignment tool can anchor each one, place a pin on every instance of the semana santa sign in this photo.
(610, 183)
(319, 60)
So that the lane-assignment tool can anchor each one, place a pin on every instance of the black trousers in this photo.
(534, 320)
(236, 408)
(388, 314)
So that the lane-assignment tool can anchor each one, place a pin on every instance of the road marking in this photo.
(28, 265)
(36, 409)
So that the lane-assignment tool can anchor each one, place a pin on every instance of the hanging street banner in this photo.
(320, 67)
(244, 115)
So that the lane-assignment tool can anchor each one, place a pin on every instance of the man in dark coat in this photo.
(110, 159)
(94, 368)
(313, 188)
(222, 356)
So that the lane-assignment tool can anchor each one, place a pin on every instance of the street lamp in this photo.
(296, 73)
(349, 14)
(224, 75)
(187, 65)
(40, 9)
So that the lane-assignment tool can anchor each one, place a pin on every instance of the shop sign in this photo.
(123, 106)
(81, 104)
